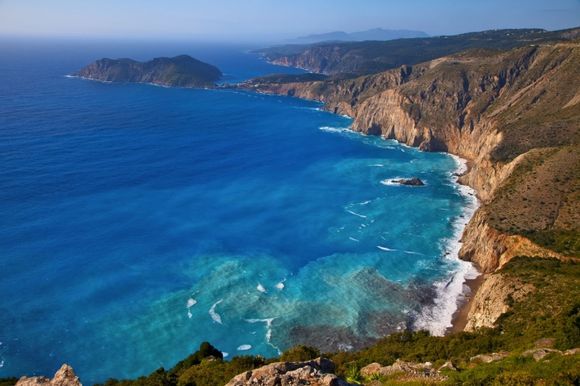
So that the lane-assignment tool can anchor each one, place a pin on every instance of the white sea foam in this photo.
(214, 315)
(353, 239)
(386, 249)
(344, 347)
(225, 354)
(392, 182)
(451, 290)
(376, 165)
(336, 129)
(191, 302)
(245, 347)
(268, 322)
(261, 288)
(280, 285)
(356, 214)
(413, 253)
(364, 202)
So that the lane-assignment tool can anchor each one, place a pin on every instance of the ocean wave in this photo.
(386, 249)
(268, 322)
(451, 291)
(356, 214)
(392, 182)
(214, 315)
(336, 129)
(244, 347)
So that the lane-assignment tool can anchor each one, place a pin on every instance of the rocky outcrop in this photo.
(317, 372)
(409, 181)
(180, 71)
(493, 299)
(408, 371)
(513, 115)
(65, 376)
(488, 358)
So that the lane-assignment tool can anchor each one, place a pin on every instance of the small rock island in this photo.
(179, 71)
(409, 181)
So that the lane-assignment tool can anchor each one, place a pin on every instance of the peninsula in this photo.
(179, 71)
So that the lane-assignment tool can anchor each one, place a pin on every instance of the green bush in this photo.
(300, 354)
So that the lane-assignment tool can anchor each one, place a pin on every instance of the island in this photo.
(409, 181)
(179, 71)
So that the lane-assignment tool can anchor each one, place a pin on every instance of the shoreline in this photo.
(451, 305)
(459, 318)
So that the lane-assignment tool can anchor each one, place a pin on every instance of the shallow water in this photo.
(139, 221)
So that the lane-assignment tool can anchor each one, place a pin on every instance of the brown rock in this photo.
(65, 376)
(488, 358)
(539, 353)
(408, 370)
(315, 373)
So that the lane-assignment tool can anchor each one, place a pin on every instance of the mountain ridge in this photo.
(370, 34)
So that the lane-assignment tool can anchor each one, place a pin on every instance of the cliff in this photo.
(375, 56)
(514, 115)
(180, 71)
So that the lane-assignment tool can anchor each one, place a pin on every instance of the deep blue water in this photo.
(138, 221)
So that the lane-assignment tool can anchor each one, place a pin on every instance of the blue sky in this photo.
(269, 20)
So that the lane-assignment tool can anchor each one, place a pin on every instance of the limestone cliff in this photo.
(514, 115)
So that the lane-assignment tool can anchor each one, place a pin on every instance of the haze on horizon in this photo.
(269, 20)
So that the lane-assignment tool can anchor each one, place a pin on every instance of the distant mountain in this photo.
(371, 34)
(180, 71)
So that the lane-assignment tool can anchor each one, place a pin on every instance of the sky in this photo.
(271, 20)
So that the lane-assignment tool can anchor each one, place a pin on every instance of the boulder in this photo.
(488, 358)
(317, 372)
(408, 370)
(539, 353)
(65, 376)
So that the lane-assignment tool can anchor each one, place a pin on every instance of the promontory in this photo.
(179, 71)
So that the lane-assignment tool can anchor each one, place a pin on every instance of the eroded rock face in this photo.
(492, 300)
(317, 372)
(65, 376)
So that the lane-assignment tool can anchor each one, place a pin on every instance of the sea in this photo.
(138, 221)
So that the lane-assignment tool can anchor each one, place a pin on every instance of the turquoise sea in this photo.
(138, 221)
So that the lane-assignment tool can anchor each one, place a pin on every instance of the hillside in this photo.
(376, 56)
(180, 71)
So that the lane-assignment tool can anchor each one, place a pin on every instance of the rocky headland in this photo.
(179, 71)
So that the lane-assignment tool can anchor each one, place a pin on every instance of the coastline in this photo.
(460, 319)
(455, 294)
(454, 297)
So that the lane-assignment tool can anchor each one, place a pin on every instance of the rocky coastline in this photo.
(506, 113)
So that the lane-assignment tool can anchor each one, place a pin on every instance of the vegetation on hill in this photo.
(376, 56)
(180, 71)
